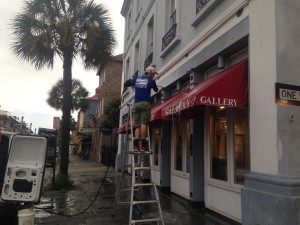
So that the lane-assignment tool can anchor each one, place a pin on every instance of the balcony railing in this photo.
(200, 4)
(148, 61)
(169, 37)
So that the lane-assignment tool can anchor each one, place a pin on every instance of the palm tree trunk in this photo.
(66, 109)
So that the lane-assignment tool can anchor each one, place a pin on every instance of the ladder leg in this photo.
(132, 190)
(152, 180)
(117, 198)
(124, 159)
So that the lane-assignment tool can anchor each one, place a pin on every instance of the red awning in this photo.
(228, 88)
(156, 110)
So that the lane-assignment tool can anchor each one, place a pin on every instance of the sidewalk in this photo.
(87, 176)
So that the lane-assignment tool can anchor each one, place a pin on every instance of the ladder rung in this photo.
(143, 184)
(128, 189)
(142, 168)
(145, 202)
(125, 189)
(125, 203)
(146, 220)
(140, 153)
(130, 165)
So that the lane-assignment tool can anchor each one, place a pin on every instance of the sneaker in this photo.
(136, 148)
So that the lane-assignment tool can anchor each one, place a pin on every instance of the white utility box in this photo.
(25, 169)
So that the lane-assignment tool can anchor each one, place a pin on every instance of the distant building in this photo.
(86, 125)
(13, 123)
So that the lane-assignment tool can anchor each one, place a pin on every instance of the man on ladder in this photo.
(142, 106)
(141, 151)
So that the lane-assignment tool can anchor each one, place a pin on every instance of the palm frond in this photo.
(49, 27)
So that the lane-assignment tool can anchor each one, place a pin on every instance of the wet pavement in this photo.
(70, 207)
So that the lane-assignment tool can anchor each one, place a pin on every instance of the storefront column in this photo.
(197, 162)
(271, 194)
(165, 170)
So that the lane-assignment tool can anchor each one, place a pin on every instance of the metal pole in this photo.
(21, 129)
(0, 124)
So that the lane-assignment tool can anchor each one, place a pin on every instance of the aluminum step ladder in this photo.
(141, 187)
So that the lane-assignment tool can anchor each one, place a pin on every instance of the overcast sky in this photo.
(23, 90)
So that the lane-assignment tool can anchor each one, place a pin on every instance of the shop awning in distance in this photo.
(228, 88)
(124, 128)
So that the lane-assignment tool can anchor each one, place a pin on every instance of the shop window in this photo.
(229, 144)
(178, 160)
(241, 145)
(156, 144)
(181, 156)
(218, 144)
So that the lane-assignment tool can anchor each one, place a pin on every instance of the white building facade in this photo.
(219, 136)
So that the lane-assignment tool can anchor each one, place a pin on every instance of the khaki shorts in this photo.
(141, 113)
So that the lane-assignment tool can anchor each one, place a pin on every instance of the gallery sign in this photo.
(287, 94)
(189, 102)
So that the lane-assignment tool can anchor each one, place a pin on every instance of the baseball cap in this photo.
(150, 69)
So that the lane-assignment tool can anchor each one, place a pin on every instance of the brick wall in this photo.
(109, 88)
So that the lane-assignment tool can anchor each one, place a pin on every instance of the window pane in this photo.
(218, 144)
(156, 145)
(172, 19)
(178, 146)
(172, 6)
(187, 146)
(241, 145)
(172, 13)
(129, 22)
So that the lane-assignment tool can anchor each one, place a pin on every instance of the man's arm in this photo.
(127, 83)
(155, 88)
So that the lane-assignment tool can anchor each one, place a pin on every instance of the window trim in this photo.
(168, 26)
(171, 45)
(157, 167)
(211, 5)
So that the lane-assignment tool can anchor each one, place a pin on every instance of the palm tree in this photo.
(79, 96)
(65, 28)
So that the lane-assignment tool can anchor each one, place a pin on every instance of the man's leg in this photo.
(144, 132)
(145, 118)
(137, 133)
(137, 125)
(136, 141)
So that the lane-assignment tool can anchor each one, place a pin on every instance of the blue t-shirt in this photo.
(143, 86)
